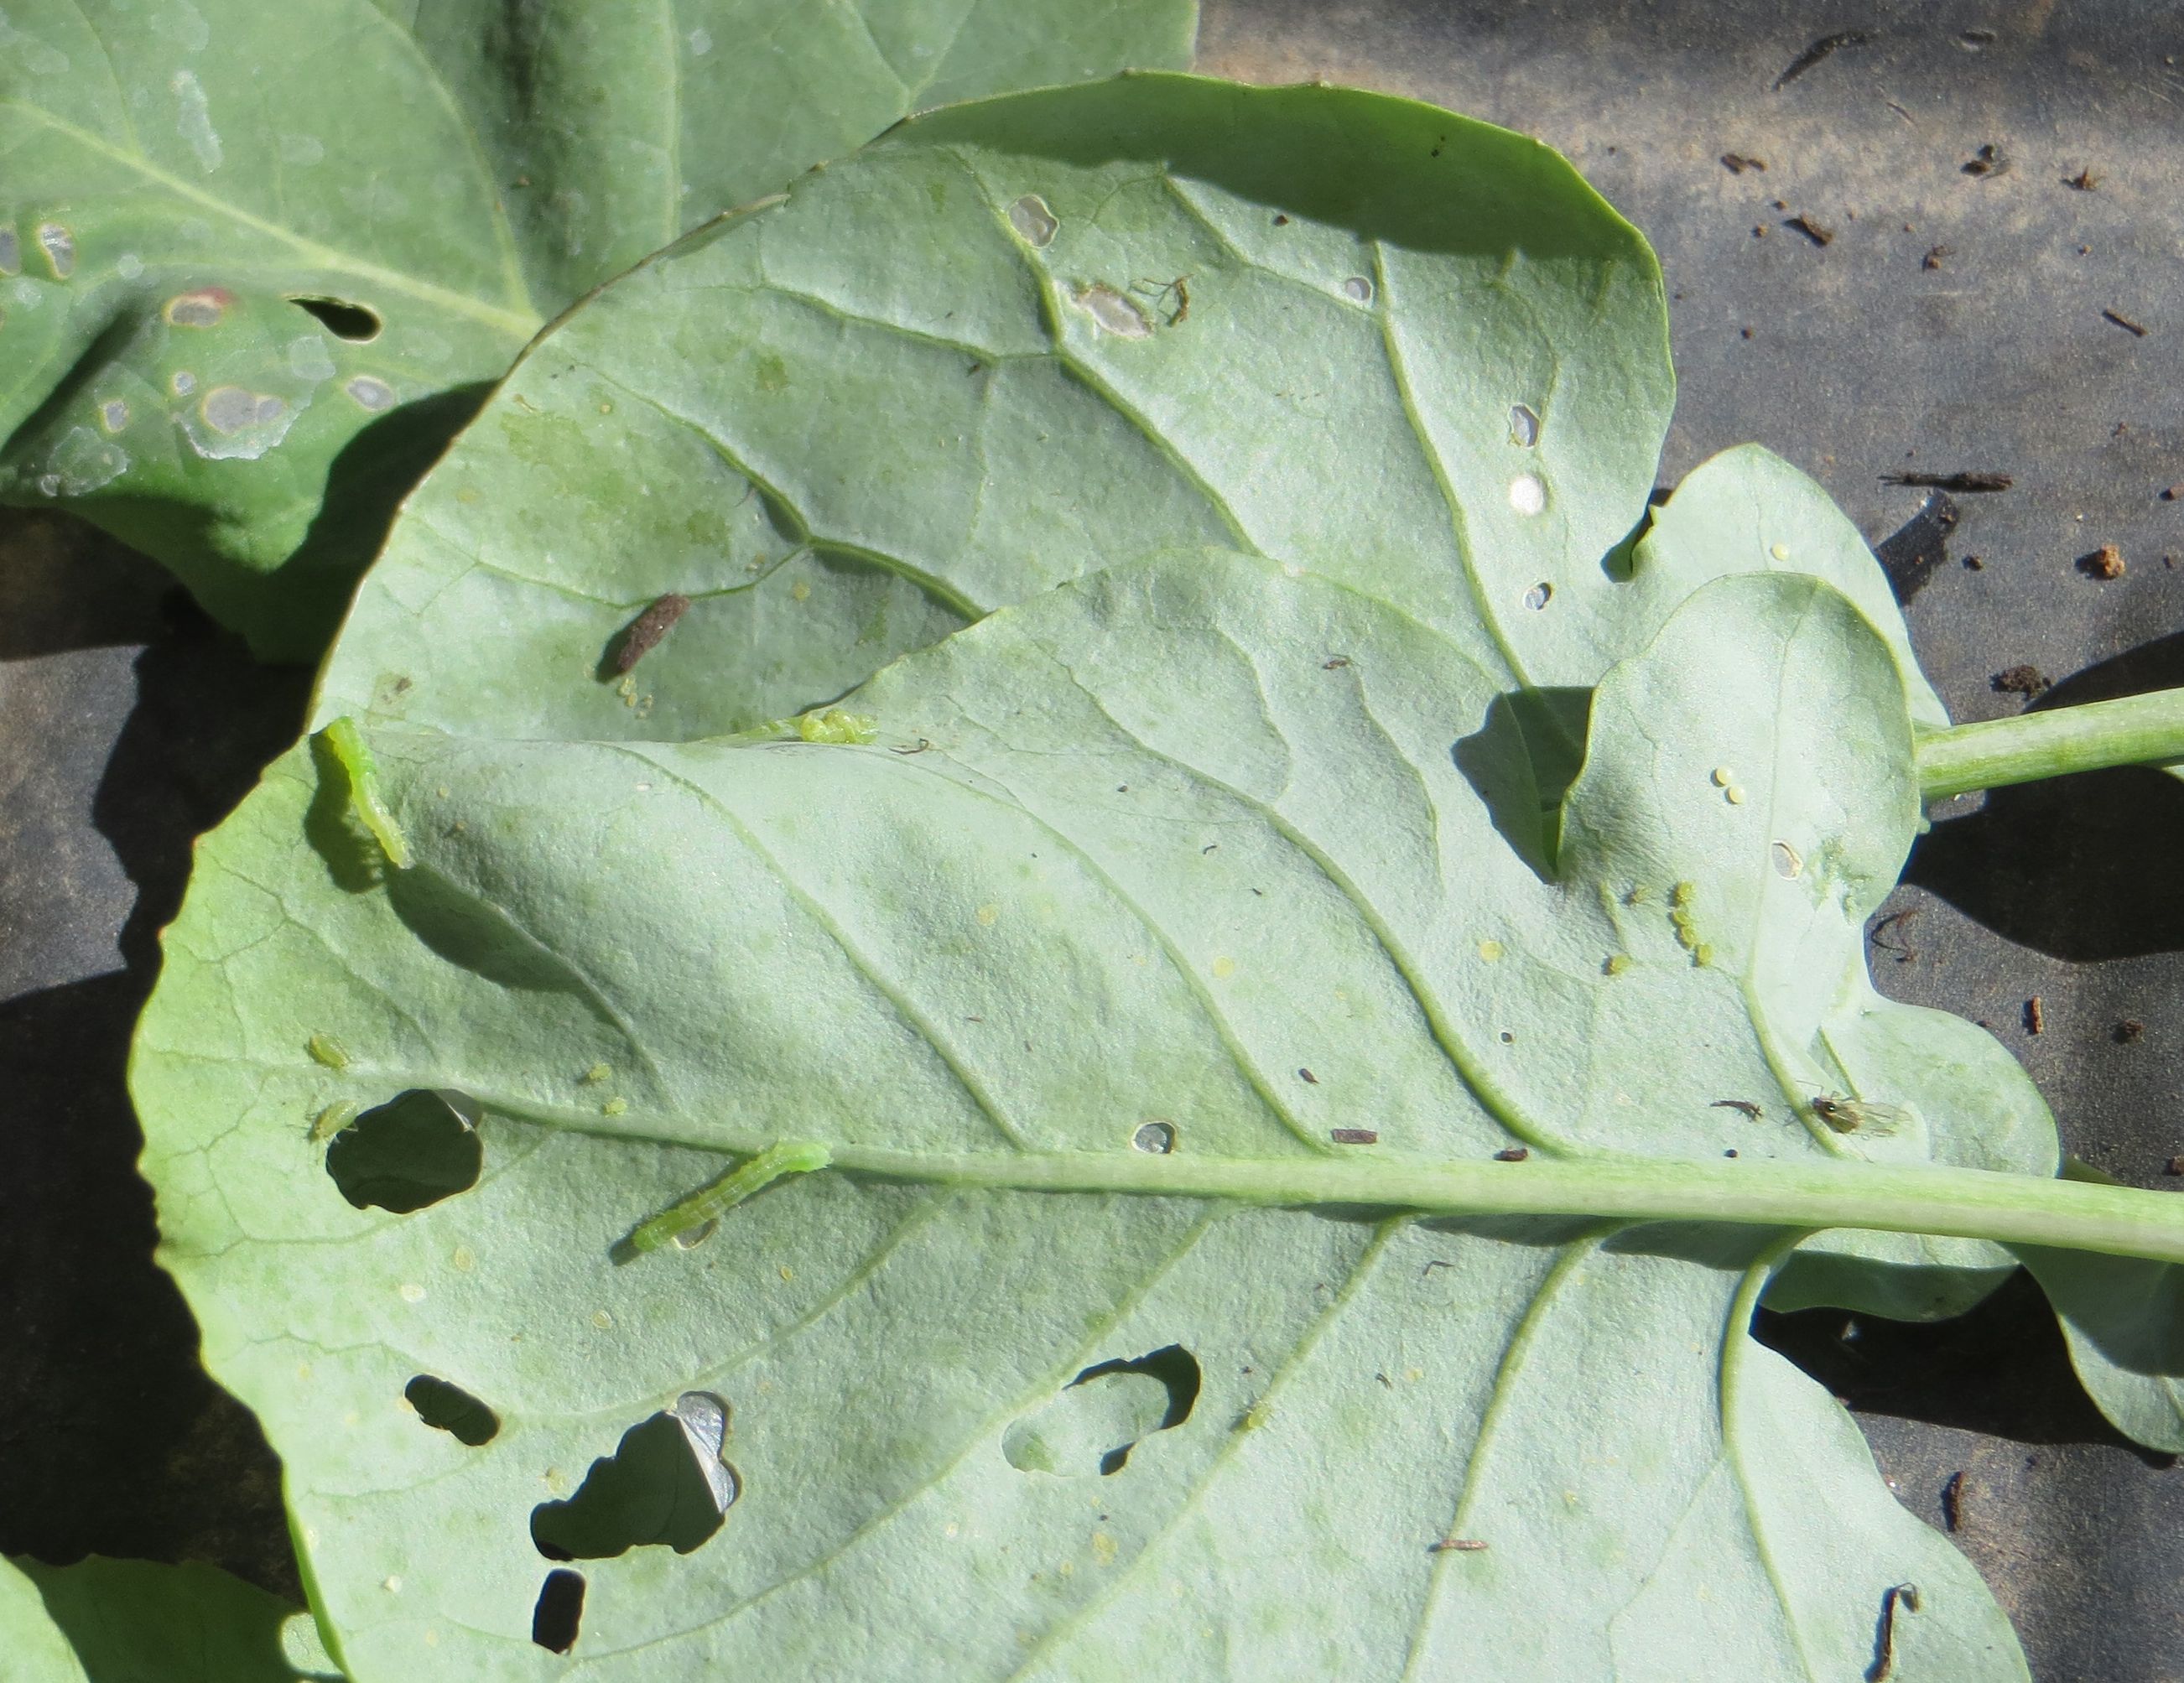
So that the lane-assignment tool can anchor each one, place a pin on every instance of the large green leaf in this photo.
(1420, 356)
(845, 424)
(1192, 854)
(135, 1621)
(183, 176)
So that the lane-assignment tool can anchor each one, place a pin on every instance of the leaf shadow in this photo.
(1521, 761)
(2002, 1368)
(2079, 867)
(113, 1439)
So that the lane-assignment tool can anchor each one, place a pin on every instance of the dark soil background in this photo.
(1952, 322)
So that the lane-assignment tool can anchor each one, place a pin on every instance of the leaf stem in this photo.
(2131, 730)
(2013, 1209)
(2063, 1213)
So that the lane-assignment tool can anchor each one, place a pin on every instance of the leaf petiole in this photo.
(2131, 730)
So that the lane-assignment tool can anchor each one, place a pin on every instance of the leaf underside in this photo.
(258, 263)
(136, 1621)
(1155, 860)
(1428, 804)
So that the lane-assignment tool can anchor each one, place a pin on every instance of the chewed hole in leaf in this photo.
(409, 1153)
(666, 1483)
(452, 1410)
(1030, 217)
(1156, 1137)
(559, 1612)
(1104, 1414)
(342, 319)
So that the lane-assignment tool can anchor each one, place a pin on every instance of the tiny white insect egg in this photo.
(1780, 552)
(1527, 495)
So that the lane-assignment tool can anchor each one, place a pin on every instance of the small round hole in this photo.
(1156, 1137)
(409, 1153)
(1539, 595)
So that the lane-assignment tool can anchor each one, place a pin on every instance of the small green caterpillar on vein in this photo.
(836, 725)
(789, 1156)
(347, 744)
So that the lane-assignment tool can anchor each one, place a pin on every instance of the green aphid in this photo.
(1617, 964)
(597, 1073)
(331, 1120)
(1683, 894)
(614, 1107)
(836, 725)
(347, 744)
(325, 1050)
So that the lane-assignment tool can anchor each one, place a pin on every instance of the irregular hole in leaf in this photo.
(339, 317)
(1030, 217)
(452, 1410)
(1104, 1414)
(1521, 762)
(1156, 1137)
(560, 1611)
(1524, 425)
(666, 1482)
(408, 1154)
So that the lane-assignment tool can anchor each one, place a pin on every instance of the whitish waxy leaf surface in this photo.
(1191, 855)
(256, 261)
(1016, 341)
(1405, 350)
(136, 1621)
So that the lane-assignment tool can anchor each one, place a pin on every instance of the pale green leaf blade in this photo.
(1747, 511)
(1132, 853)
(452, 175)
(889, 404)
(137, 1621)
(33, 1640)
(2124, 1320)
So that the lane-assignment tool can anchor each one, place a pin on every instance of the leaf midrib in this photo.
(519, 324)
(1946, 1202)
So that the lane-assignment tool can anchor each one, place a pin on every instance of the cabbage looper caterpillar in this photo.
(789, 1156)
(347, 744)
